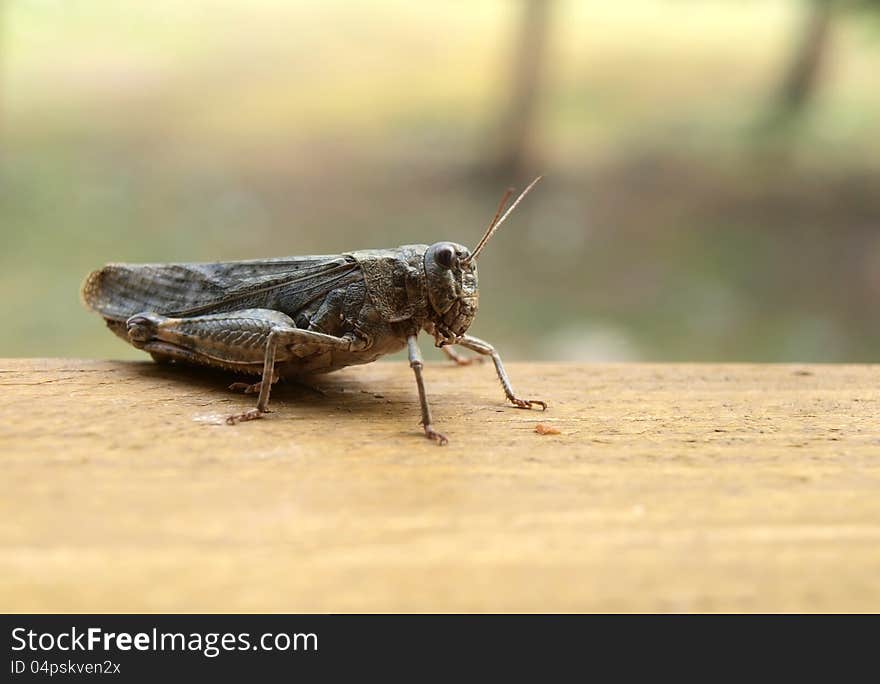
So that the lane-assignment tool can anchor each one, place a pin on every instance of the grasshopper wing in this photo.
(119, 291)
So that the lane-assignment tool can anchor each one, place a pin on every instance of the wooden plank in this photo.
(670, 488)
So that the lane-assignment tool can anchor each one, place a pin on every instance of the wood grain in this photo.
(669, 488)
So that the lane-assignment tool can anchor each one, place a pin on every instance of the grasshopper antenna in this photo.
(496, 222)
(501, 205)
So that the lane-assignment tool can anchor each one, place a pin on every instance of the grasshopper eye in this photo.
(445, 255)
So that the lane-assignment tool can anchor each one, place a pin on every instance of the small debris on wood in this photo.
(544, 429)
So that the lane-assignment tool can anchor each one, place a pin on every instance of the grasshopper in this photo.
(304, 315)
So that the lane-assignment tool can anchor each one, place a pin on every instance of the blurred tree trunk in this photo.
(512, 153)
(802, 74)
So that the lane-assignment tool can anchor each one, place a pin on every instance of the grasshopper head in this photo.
(452, 289)
(451, 271)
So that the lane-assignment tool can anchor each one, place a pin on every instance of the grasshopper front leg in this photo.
(482, 347)
(416, 363)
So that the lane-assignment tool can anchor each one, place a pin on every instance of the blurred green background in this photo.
(712, 167)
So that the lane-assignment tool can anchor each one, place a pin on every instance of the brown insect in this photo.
(299, 316)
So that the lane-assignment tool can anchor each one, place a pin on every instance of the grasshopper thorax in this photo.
(452, 289)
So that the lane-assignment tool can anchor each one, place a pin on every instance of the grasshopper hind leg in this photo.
(265, 385)
(241, 341)
(245, 341)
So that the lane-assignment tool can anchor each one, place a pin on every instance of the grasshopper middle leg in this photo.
(416, 363)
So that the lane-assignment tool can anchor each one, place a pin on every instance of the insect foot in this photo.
(528, 403)
(253, 414)
(246, 387)
(431, 433)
